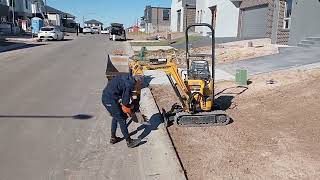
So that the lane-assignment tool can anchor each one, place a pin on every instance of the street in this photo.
(52, 123)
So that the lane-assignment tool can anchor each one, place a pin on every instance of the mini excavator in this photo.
(195, 90)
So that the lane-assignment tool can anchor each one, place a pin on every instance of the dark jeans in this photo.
(117, 117)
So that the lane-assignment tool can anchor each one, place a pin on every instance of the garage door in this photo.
(254, 22)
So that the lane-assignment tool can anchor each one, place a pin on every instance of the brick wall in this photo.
(191, 18)
(282, 34)
(270, 18)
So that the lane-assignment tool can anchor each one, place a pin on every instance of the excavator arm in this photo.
(172, 71)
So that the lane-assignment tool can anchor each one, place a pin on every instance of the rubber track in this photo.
(204, 123)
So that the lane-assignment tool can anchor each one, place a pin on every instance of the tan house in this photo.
(156, 19)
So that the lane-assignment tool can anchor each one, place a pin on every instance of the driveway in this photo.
(287, 58)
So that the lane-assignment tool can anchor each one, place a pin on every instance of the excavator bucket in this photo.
(116, 65)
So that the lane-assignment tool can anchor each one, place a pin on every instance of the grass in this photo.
(166, 42)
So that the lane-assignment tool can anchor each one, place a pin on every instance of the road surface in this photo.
(43, 89)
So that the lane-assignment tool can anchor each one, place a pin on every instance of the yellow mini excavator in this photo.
(195, 91)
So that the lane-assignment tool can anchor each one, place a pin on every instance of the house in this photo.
(22, 9)
(59, 18)
(5, 26)
(4, 11)
(156, 19)
(183, 13)
(222, 14)
(38, 8)
(297, 21)
(19, 10)
(93, 23)
(284, 21)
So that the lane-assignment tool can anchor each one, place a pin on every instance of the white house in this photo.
(182, 14)
(94, 23)
(222, 14)
(59, 18)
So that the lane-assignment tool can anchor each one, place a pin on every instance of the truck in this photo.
(117, 32)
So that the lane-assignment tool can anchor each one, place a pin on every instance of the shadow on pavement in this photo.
(63, 40)
(16, 46)
(155, 121)
(78, 116)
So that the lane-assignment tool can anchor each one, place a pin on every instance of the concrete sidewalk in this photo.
(21, 38)
(155, 158)
(152, 48)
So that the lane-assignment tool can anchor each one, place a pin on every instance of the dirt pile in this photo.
(225, 53)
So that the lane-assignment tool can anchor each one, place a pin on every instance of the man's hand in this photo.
(127, 110)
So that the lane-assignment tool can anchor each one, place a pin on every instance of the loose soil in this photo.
(274, 134)
(225, 53)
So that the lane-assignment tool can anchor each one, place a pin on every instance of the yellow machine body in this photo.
(186, 87)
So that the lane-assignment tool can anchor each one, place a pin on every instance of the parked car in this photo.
(117, 32)
(87, 29)
(50, 33)
(96, 30)
(105, 31)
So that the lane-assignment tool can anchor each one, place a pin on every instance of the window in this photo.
(26, 3)
(166, 15)
(287, 14)
(47, 29)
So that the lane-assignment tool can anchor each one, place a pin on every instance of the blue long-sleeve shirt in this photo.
(120, 87)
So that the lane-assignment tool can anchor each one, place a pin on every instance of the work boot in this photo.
(114, 140)
(131, 143)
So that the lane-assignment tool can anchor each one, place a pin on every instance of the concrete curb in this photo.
(22, 39)
(159, 157)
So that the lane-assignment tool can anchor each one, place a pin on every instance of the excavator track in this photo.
(202, 119)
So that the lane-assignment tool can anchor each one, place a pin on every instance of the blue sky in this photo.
(107, 11)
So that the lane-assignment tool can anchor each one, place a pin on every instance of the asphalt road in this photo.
(42, 89)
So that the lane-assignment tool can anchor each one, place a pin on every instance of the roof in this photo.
(252, 3)
(157, 7)
(93, 21)
(52, 10)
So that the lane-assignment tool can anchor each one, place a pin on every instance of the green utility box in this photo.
(142, 54)
(242, 77)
